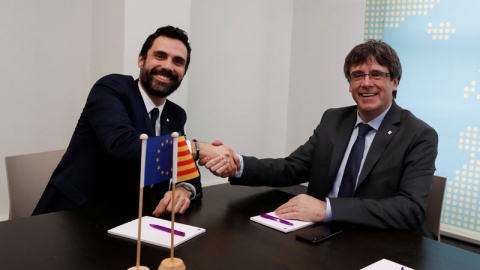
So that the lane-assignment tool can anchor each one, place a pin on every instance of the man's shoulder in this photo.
(407, 116)
(340, 111)
(116, 79)
(122, 85)
(343, 109)
(406, 119)
(410, 118)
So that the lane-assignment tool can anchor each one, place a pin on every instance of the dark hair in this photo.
(170, 32)
(377, 50)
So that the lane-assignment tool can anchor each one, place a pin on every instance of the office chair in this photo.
(27, 177)
(434, 208)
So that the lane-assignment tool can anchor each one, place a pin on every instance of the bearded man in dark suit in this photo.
(102, 162)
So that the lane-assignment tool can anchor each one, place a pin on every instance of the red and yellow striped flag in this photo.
(186, 168)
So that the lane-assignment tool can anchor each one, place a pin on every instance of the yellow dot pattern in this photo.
(442, 32)
(383, 14)
(461, 203)
(470, 91)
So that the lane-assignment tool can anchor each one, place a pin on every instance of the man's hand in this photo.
(219, 158)
(303, 207)
(182, 202)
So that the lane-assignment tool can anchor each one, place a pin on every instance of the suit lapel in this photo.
(141, 117)
(342, 137)
(384, 136)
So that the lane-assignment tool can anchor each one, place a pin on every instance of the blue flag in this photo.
(158, 160)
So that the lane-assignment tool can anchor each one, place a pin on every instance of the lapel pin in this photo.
(389, 132)
(168, 120)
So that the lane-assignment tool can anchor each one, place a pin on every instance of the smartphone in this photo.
(319, 233)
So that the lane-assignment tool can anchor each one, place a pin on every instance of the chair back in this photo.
(434, 208)
(27, 177)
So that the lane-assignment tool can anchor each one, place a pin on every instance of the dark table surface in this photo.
(79, 240)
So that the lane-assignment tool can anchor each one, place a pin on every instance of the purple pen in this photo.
(168, 230)
(276, 219)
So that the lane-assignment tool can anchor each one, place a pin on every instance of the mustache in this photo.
(164, 72)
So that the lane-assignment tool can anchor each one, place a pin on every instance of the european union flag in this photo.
(158, 160)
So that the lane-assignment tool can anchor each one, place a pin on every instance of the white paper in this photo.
(155, 236)
(297, 224)
(385, 264)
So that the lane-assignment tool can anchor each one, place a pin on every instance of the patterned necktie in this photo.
(349, 179)
(153, 118)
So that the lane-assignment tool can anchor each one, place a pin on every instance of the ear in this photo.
(395, 84)
(140, 61)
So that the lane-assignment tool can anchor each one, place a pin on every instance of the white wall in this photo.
(324, 32)
(260, 70)
(45, 74)
(142, 18)
(108, 32)
(239, 75)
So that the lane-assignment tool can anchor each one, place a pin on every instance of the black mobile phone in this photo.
(319, 233)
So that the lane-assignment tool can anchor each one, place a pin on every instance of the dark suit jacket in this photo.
(102, 162)
(395, 181)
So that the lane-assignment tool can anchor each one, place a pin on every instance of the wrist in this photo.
(197, 152)
(189, 188)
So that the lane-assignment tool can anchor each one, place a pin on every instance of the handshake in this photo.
(218, 157)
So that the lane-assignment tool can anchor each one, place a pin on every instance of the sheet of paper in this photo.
(297, 224)
(385, 264)
(154, 236)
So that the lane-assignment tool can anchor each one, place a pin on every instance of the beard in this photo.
(157, 88)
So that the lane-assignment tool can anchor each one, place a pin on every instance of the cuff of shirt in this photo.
(328, 214)
(189, 146)
(239, 172)
(188, 187)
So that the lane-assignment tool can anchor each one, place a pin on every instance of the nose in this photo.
(367, 80)
(168, 64)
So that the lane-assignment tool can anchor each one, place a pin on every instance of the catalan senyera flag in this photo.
(157, 160)
(186, 168)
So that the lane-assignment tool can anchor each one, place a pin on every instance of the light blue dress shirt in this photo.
(375, 124)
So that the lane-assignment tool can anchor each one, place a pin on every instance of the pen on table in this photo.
(263, 215)
(165, 229)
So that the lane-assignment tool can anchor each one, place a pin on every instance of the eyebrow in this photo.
(373, 70)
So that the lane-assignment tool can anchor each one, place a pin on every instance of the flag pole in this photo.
(173, 222)
(144, 138)
(173, 263)
(174, 182)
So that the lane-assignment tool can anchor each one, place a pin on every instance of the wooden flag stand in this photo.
(138, 266)
(144, 138)
(173, 263)
(170, 263)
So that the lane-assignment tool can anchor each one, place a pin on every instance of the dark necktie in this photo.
(153, 118)
(349, 179)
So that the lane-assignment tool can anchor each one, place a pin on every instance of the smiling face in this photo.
(162, 71)
(373, 96)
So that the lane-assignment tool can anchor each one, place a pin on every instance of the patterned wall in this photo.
(438, 42)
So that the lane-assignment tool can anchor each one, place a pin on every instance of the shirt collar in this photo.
(149, 105)
(376, 122)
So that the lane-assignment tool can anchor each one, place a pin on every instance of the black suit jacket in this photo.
(394, 184)
(102, 162)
